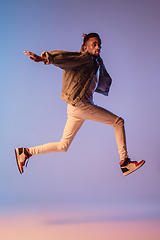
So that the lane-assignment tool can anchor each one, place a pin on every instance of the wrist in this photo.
(44, 59)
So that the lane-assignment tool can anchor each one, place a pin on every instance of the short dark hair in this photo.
(90, 35)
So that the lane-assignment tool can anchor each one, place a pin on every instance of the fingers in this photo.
(32, 56)
(35, 59)
(28, 53)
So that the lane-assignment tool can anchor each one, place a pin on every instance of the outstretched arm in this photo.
(35, 57)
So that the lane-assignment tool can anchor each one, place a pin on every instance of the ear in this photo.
(85, 48)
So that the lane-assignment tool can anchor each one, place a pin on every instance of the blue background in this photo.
(32, 112)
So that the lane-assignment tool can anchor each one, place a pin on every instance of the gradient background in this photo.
(86, 181)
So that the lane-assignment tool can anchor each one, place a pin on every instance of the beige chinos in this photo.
(85, 110)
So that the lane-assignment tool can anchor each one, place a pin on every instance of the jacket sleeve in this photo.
(66, 60)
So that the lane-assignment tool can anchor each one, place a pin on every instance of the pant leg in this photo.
(87, 110)
(72, 126)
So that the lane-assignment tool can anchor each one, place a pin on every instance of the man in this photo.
(83, 73)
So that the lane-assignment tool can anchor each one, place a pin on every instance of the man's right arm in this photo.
(62, 59)
(66, 60)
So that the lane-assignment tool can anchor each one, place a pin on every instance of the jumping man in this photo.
(83, 73)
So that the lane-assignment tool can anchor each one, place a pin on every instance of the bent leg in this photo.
(72, 126)
(87, 110)
(121, 138)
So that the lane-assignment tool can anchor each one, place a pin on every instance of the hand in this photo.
(35, 57)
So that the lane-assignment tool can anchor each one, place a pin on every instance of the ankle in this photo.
(125, 161)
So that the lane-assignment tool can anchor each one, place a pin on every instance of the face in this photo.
(93, 46)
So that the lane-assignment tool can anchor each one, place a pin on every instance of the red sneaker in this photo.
(22, 156)
(128, 166)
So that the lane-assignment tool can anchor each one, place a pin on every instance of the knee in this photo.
(119, 121)
(63, 147)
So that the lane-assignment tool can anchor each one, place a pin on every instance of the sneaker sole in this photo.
(130, 171)
(16, 153)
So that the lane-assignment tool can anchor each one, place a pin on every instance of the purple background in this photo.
(32, 112)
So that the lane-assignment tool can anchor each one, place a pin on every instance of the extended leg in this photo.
(72, 126)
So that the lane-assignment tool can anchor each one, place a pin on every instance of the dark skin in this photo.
(35, 57)
(93, 46)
